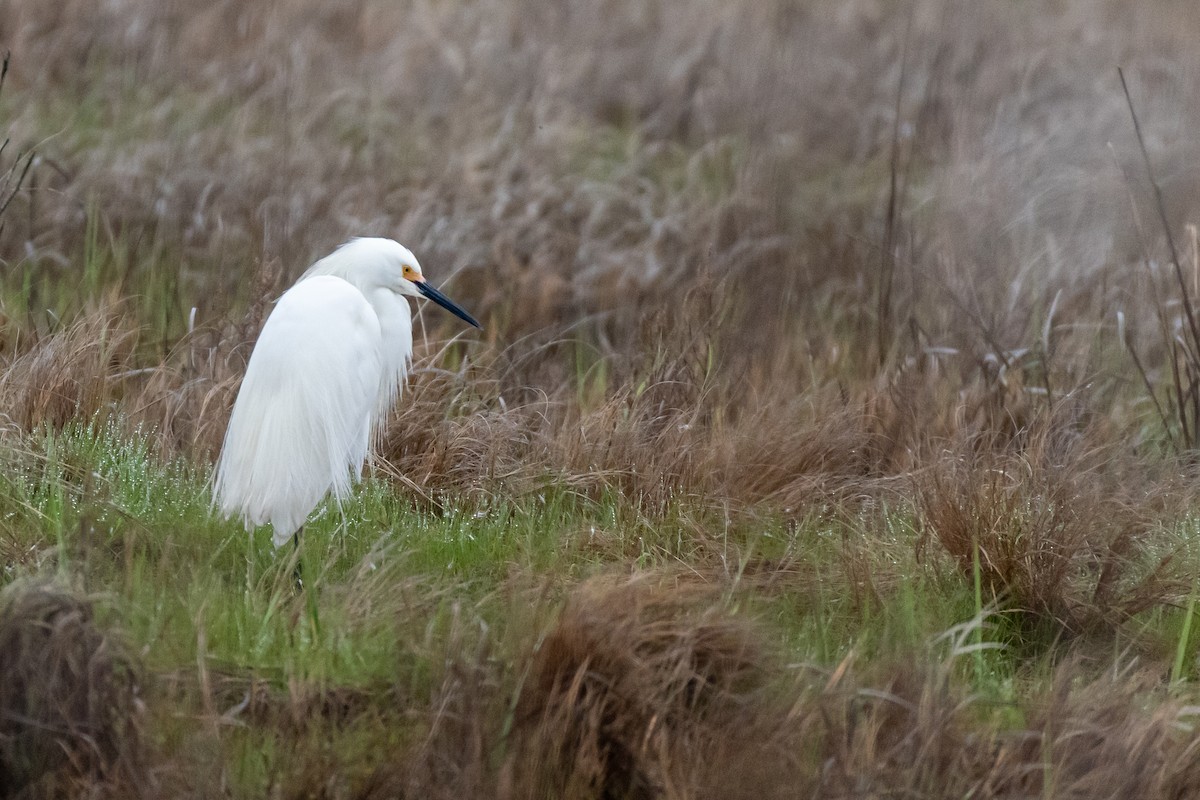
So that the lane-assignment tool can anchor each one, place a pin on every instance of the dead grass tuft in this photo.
(69, 705)
(910, 733)
(629, 694)
(1057, 533)
(69, 375)
(905, 734)
(1099, 740)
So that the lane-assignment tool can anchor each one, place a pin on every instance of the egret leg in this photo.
(298, 571)
(309, 597)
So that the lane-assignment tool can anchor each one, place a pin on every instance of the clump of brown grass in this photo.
(94, 370)
(69, 705)
(907, 730)
(903, 733)
(68, 375)
(1056, 532)
(630, 692)
(792, 453)
(1097, 738)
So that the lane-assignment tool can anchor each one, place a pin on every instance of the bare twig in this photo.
(1137, 362)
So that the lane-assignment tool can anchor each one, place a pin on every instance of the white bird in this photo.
(328, 367)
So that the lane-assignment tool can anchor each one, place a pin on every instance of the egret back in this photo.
(303, 417)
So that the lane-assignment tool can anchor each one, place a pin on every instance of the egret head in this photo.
(376, 263)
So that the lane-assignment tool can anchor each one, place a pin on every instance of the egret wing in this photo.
(302, 419)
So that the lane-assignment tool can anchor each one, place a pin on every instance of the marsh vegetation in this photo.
(832, 433)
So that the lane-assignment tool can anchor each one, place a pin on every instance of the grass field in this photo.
(833, 431)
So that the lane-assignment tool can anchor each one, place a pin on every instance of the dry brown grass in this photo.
(69, 375)
(564, 161)
(1056, 534)
(911, 734)
(1098, 742)
(630, 693)
(69, 699)
(669, 217)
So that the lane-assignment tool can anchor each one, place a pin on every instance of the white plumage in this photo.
(327, 368)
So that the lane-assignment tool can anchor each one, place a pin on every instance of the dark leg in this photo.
(309, 597)
(297, 572)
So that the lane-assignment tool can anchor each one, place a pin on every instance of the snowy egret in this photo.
(328, 367)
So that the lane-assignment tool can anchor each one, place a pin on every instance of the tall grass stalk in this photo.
(1183, 644)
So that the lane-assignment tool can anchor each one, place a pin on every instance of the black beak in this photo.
(425, 288)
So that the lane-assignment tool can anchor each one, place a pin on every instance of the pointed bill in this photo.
(425, 288)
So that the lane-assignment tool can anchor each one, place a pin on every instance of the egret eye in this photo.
(409, 272)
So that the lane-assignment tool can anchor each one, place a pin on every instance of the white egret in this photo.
(328, 367)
